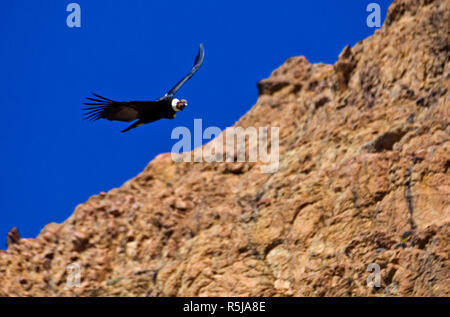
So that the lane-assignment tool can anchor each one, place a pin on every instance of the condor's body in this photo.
(155, 110)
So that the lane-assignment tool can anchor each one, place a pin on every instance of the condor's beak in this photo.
(181, 104)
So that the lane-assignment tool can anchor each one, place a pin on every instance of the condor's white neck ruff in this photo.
(174, 104)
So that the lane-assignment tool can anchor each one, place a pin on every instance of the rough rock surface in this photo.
(363, 178)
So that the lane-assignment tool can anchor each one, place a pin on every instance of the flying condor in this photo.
(142, 111)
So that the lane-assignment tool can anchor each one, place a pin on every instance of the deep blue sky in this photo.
(52, 160)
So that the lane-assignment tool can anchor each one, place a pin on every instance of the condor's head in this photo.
(178, 105)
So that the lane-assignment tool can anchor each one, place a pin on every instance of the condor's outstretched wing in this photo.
(197, 63)
(104, 108)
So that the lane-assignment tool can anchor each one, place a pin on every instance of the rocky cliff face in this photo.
(363, 178)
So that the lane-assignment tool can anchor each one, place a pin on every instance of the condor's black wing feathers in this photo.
(113, 110)
(197, 63)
